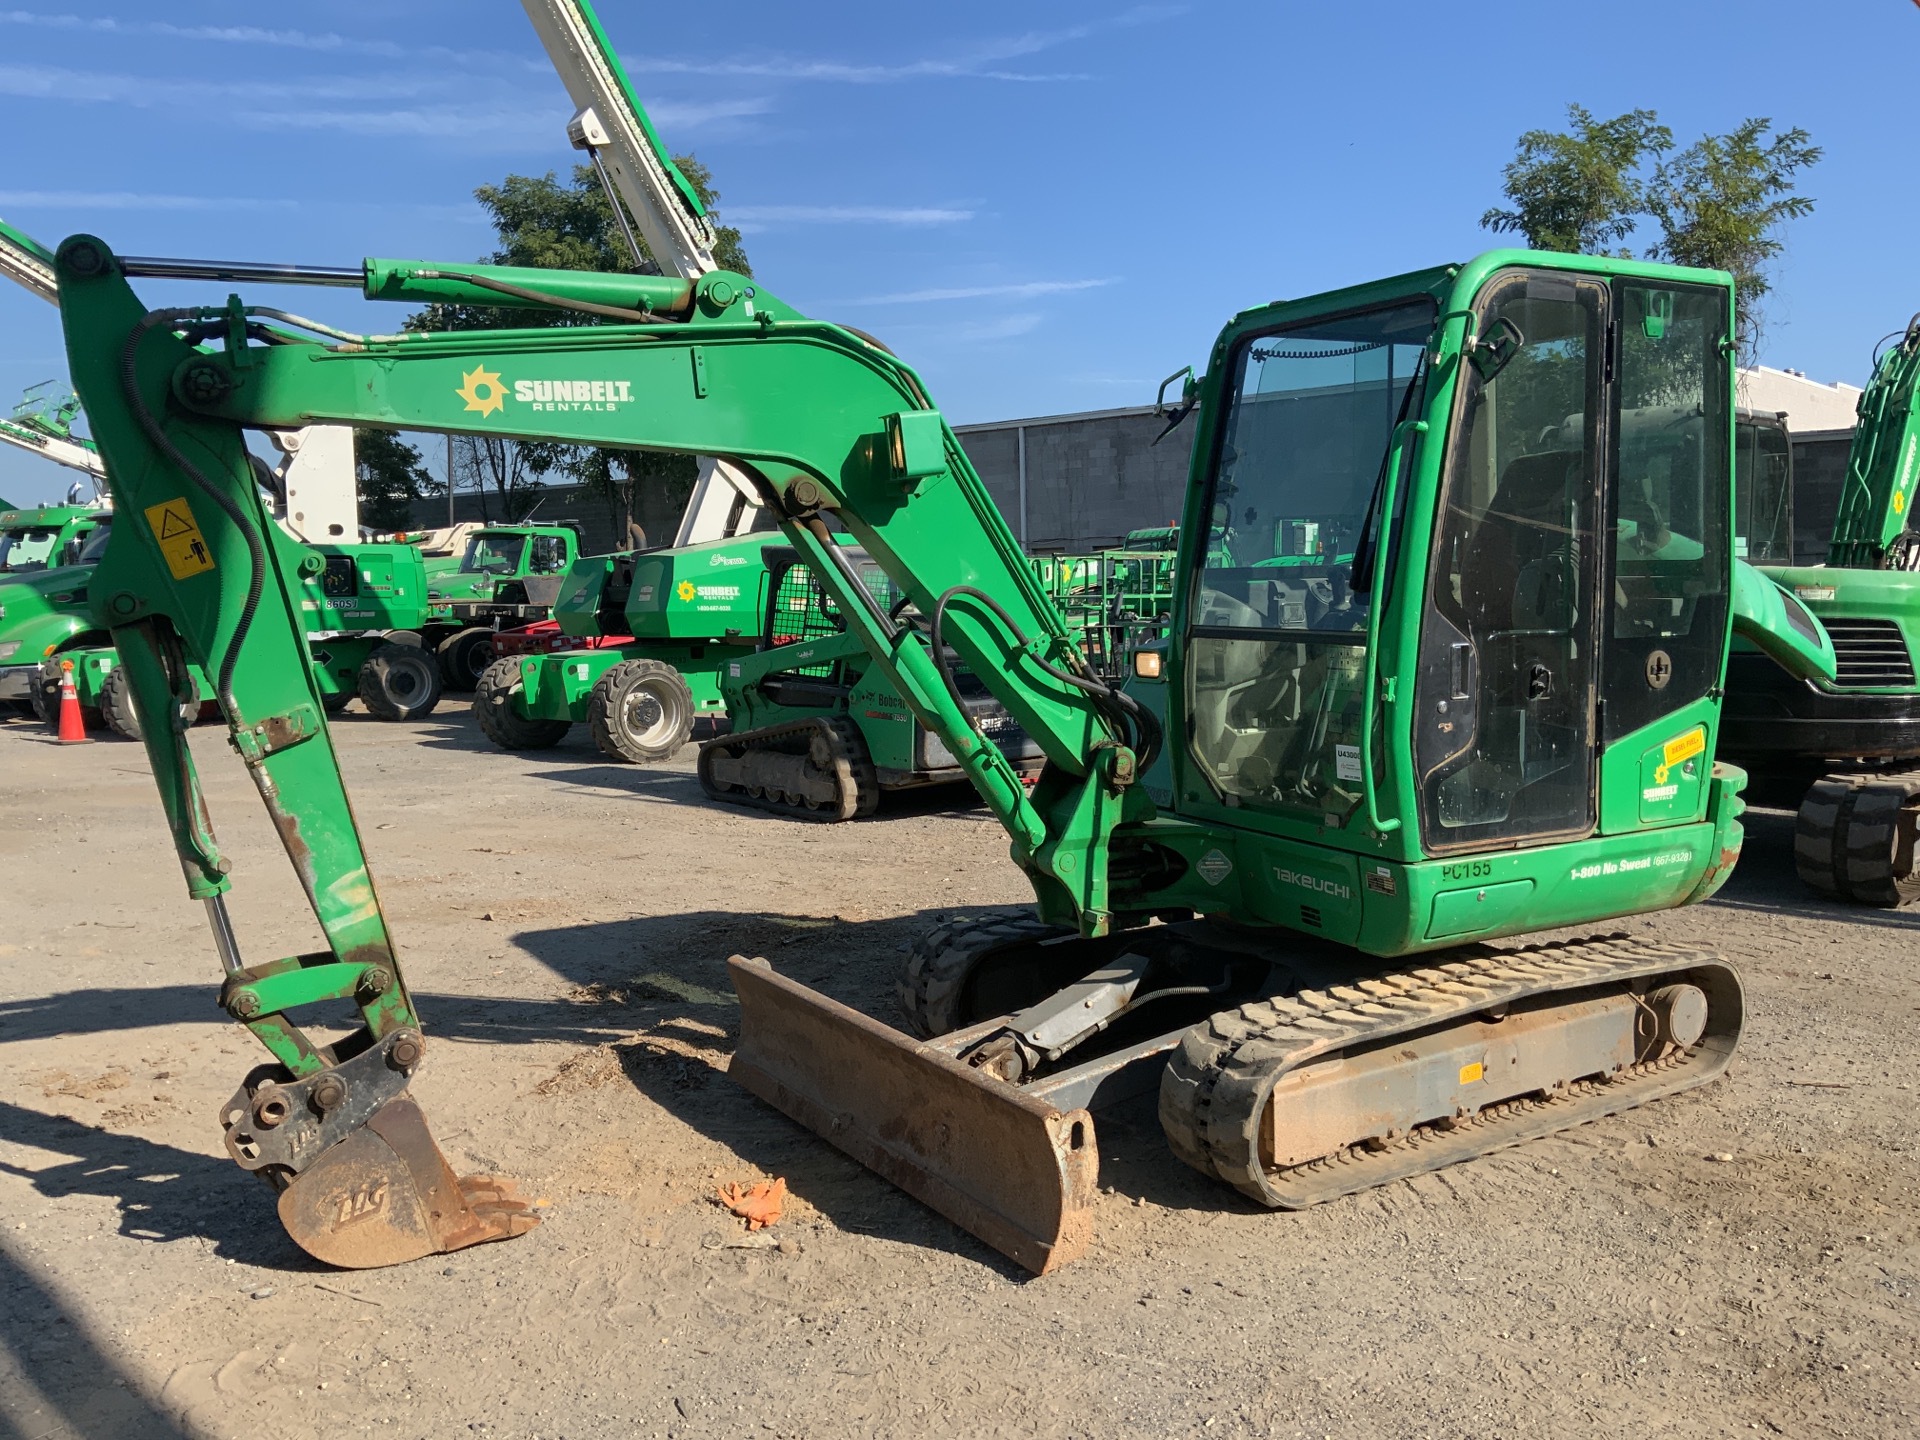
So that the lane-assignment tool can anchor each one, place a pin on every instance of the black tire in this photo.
(1877, 862)
(933, 985)
(500, 722)
(399, 681)
(116, 706)
(337, 702)
(43, 697)
(464, 658)
(641, 712)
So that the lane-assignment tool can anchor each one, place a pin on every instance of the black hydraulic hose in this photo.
(1137, 725)
(256, 550)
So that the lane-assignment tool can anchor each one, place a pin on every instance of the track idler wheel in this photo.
(385, 1195)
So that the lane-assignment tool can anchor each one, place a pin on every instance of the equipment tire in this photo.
(641, 711)
(493, 708)
(464, 658)
(116, 706)
(44, 699)
(932, 989)
(336, 704)
(400, 681)
(1877, 861)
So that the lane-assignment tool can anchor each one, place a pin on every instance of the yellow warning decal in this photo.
(180, 540)
(1686, 747)
(1469, 1074)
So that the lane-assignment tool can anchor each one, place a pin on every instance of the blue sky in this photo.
(1044, 207)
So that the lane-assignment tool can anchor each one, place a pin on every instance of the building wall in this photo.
(1808, 405)
(1090, 478)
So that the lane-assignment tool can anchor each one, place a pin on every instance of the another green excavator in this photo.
(1847, 749)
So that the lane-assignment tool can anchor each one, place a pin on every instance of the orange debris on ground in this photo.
(759, 1205)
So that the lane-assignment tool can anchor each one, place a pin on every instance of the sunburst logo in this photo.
(684, 589)
(482, 390)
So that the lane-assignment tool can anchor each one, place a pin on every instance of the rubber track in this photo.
(1215, 1087)
(856, 785)
(1843, 840)
(941, 960)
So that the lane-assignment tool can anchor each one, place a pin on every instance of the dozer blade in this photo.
(1007, 1167)
(385, 1195)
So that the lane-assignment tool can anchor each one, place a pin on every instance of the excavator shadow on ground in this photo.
(56, 1380)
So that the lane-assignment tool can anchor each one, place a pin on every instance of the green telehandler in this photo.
(1263, 870)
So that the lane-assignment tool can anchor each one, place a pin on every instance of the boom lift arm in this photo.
(610, 125)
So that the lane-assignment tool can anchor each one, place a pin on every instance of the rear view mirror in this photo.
(1659, 311)
(1491, 353)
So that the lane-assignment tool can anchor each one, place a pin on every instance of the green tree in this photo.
(390, 476)
(546, 224)
(1576, 191)
(1720, 203)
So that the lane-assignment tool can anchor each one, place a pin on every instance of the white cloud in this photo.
(1004, 327)
(1027, 291)
(844, 214)
(325, 42)
(981, 60)
(129, 200)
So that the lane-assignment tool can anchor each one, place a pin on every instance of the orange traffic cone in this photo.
(72, 728)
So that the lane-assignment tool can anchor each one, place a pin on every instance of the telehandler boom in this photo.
(1499, 716)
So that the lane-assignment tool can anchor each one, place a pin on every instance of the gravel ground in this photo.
(1742, 1258)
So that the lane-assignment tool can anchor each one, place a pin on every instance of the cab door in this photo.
(1505, 697)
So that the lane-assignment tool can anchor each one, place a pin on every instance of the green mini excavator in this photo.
(1264, 871)
(1450, 619)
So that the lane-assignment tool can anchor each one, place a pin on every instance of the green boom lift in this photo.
(1263, 872)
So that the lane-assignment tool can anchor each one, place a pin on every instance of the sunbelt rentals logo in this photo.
(485, 392)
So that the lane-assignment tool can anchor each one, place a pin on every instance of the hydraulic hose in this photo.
(234, 511)
(1135, 724)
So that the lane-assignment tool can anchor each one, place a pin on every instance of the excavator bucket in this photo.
(1007, 1167)
(385, 1194)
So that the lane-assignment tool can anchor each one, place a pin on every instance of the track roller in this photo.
(1304, 1097)
(808, 769)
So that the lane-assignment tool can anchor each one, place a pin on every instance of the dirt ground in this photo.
(1743, 1258)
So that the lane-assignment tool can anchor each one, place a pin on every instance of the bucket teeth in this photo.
(385, 1195)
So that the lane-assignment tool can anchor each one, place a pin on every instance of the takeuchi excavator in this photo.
(1266, 870)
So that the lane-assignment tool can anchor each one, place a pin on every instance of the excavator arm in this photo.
(841, 442)
(200, 572)
(1883, 467)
